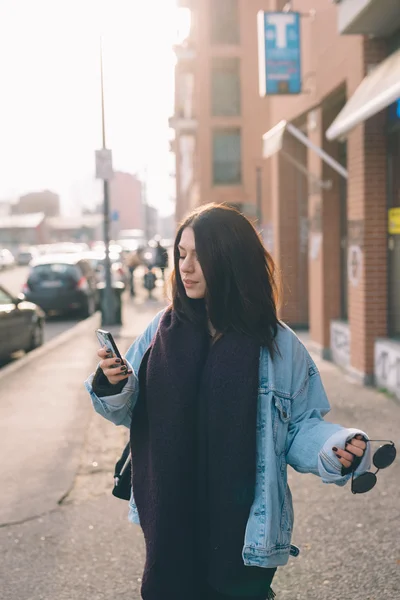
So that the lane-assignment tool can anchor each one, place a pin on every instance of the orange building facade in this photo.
(327, 198)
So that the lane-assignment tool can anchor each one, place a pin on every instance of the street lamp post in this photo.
(108, 302)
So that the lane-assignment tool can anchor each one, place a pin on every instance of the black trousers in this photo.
(152, 590)
(132, 281)
(213, 595)
(207, 593)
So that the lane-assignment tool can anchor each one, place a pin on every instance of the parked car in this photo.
(7, 259)
(119, 272)
(64, 248)
(21, 324)
(25, 255)
(63, 283)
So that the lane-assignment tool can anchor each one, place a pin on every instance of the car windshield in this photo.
(55, 271)
(98, 261)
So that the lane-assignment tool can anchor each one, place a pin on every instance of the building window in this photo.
(224, 22)
(225, 87)
(227, 157)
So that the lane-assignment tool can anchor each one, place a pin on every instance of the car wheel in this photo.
(37, 336)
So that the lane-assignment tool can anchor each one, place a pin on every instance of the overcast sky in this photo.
(50, 121)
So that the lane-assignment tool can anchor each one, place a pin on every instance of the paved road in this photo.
(85, 548)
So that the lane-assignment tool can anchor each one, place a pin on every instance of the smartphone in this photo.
(107, 341)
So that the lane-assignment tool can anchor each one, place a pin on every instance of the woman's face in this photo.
(189, 266)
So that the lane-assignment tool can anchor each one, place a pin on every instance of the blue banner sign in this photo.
(394, 113)
(279, 53)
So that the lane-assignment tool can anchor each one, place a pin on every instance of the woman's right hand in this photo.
(113, 368)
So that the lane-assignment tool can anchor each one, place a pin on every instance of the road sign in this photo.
(279, 53)
(104, 168)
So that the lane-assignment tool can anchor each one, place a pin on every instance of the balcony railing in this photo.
(183, 123)
(185, 51)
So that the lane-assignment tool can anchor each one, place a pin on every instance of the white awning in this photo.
(273, 141)
(377, 91)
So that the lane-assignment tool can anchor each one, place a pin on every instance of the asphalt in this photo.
(43, 420)
(82, 546)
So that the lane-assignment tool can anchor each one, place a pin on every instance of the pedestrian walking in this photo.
(133, 261)
(161, 258)
(149, 281)
(220, 396)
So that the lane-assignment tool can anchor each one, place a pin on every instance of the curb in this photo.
(88, 324)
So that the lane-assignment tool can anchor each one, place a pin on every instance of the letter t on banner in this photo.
(279, 53)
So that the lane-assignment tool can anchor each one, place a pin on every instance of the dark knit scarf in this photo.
(193, 441)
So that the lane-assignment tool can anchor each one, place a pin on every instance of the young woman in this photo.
(220, 396)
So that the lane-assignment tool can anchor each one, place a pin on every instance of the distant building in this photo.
(125, 202)
(5, 208)
(45, 201)
(151, 226)
(167, 226)
(85, 228)
(16, 230)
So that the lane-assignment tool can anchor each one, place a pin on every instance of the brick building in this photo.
(219, 117)
(17, 230)
(35, 202)
(325, 182)
(126, 202)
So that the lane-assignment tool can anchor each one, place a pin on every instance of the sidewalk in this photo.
(104, 442)
(350, 545)
(45, 414)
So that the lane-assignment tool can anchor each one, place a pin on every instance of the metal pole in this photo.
(108, 306)
(299, 135)
(145, 206)
(259, 196)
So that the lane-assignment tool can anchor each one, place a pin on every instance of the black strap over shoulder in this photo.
(123, 475)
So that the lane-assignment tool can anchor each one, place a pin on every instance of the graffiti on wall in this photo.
(340, 343)
(354, 264)
(355, 252)
(387, 367)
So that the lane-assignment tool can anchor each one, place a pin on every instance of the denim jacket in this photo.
(290, 431)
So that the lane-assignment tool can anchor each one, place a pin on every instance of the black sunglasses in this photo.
(382, 459)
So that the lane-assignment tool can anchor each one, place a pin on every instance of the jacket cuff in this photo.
(103, 388)
(330, 468)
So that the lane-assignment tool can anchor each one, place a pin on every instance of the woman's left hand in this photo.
(354, 448)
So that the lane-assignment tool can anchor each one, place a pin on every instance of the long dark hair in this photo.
(240, 275)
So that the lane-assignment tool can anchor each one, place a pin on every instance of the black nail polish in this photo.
(334, 449)
(118, 360)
